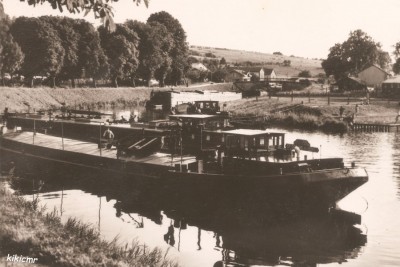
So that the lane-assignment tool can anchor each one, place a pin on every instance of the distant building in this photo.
(199, 66)
(269, 74)
(373, 76)
(235, 75)
(260, 73)
(391, 87)
(165, 100)
(351, 84)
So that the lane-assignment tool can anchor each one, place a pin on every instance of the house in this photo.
(199, 66)
(351, 84)
(269, 74)
(373, 76)
(260, 73)
(391, 87)
(235, 75)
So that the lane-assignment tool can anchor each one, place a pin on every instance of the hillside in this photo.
(267, 60)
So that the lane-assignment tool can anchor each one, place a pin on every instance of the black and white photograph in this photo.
(184, 133)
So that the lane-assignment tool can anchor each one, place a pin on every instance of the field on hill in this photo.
(267, 60)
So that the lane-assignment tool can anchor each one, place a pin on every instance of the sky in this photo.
(306, 28)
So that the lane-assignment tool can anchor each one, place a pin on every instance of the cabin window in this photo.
(270, 142)
(208, 137)
(246, 144)
(193, 136)
(262, 141)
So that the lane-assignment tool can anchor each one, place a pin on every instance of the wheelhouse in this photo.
(252, 144)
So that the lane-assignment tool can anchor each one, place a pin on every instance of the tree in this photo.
(354, 54)
(44, 54)
(101, 8)
(305, 74)
(396, 66)
(179, 50)
(277, 53)
(287, 63)
(11, 56)
(396, 53)
(121, 49)
(219, 75)
(92, 61)
(65, 28)
(222, 61)
(155, 45)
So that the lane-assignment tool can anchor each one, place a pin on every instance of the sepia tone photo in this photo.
(187, 133)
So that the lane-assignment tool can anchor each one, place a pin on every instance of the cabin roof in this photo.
(193, 116)
(248, 132)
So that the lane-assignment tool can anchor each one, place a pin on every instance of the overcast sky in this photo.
(306, 28)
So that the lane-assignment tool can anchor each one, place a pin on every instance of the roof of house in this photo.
(199, 66)
(251, 69)
(355, 79)
(241, 72)
(373, 65)
(267, 71)
(395, 79)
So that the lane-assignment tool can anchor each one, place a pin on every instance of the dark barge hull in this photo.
(309, 191)
(79, 130)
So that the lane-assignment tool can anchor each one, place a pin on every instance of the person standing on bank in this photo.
(109, 135)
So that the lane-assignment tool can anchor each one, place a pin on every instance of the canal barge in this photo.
(219, 161)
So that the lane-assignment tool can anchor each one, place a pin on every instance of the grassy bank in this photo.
(26, 229)
(315, 112)
(17, 99)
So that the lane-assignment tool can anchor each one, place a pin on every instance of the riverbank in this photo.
(22, 99)
(27, 229)
(317, 113)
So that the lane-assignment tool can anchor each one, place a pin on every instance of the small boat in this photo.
(239, 161)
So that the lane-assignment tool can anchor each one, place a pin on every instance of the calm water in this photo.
(205, 232)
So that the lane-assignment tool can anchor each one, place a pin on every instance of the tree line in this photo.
(65, 49)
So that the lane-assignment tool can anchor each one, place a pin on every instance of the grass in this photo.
(27, 229)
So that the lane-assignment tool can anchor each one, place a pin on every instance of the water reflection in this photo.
(234, 229)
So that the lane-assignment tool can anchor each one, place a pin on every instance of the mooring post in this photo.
(100, 144)
(34, 131)
(62, 134)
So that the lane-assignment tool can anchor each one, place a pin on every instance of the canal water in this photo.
(201, 232)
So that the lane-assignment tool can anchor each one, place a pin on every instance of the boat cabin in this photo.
(201, 131)
(204, 107)
(252, 144)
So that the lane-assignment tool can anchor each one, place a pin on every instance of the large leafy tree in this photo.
(179, 50)
(155, 45)
(396, 53)
(11, 56)
(92, 61)
(44, 53)
(121, 48)
(351, 56)
(70, 41)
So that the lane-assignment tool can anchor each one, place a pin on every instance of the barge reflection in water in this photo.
(204, 229)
